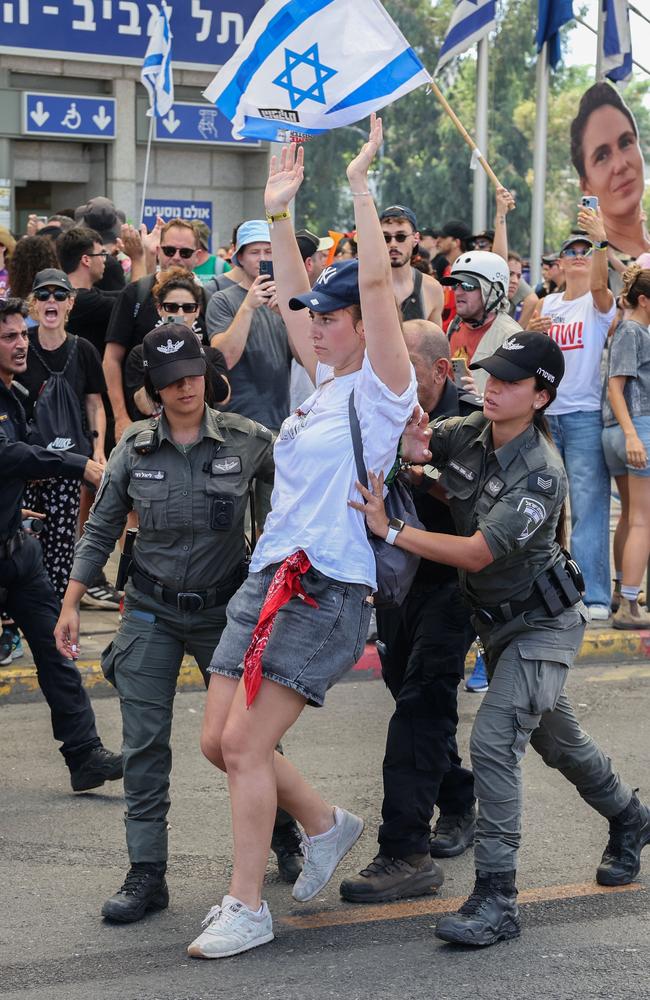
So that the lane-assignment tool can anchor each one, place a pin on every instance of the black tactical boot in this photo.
(144, 889)
(452, 835)
(99, 766)
(489, 915)
(286, 845)
(629, 832)
(393, 878)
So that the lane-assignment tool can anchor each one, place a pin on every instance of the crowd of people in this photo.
(214, 403)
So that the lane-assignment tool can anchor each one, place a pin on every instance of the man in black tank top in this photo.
(420, 296)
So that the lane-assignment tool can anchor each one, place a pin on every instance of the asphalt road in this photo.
(62, 855)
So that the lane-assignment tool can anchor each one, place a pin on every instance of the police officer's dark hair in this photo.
(12, 307)
(541, 423)
(155, 395)
(72, 246)
(598, 96)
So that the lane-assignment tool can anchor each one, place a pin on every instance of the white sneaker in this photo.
(323, 853)
(232, 928)
(598, 613)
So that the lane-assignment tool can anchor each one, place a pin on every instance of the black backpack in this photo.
(57, 423)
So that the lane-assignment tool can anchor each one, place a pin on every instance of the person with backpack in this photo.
(300, 620)
(64, 383)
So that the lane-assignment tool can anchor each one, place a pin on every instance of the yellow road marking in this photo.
(619, 674)
(360, 913)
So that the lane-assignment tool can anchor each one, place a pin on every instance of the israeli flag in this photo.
(471, 20)
(617, 41)
(156, 73)
(308, 66)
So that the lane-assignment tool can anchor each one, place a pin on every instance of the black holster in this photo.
(126, 559)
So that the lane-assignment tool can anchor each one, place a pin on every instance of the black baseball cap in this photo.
(526, 355)
(399, 212)
(51, 276)
(456, 229)
(337, 287)
(309, 243)
(101, 215)
(171, 352)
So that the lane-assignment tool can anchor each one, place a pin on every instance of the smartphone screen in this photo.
(266, 267)
(460, 371)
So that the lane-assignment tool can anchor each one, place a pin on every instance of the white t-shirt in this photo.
(315, 473)
(581, 332)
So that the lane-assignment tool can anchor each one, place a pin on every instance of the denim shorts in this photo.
(614, 448)
(310, 648)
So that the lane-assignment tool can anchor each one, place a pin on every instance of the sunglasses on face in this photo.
(183, 252)
(467, 286)
(571, 252)
(101, 253)
(43, 294)
(398, 237)
(173, 307)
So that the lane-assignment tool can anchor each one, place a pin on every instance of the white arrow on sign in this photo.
(101, 119)
(39, 116)
(171, 122)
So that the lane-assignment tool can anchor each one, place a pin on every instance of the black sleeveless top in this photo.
(413, 306)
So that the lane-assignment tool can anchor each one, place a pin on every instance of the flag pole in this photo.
(479, 214)
(539, 166)
(600, 44)
(145, 180)
(465, 134)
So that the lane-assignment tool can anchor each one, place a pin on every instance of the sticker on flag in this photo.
(309, 66)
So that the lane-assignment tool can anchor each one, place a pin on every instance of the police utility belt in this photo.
(554, 590)
(189, 601)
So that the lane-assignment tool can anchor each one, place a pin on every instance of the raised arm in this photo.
(590, 220)
(505, 203)
(384, 340)
(285, 178)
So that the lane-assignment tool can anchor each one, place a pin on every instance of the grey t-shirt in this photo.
(629, 355)
(260, 379)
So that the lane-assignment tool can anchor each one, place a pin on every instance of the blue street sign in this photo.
(69, 116)
(206, 32)
(202, 123)
(187, 210)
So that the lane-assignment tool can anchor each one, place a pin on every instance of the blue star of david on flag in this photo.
(322, 74)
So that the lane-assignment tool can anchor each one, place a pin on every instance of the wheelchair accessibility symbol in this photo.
(72, 118)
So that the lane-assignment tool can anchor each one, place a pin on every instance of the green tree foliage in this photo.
(426, 164)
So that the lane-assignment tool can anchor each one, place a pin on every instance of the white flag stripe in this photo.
(617, 41)
(156, 74)
(470, 21)
(328, 64)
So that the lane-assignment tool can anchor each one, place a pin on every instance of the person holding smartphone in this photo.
(245, 324)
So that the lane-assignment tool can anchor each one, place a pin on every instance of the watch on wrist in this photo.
(601, 244)
(395, 525)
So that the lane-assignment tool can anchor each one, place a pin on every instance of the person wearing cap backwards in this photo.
(506, 488)
(279, 654)
(578, 320)
(419, 295)
(479, 281)
(186, 476)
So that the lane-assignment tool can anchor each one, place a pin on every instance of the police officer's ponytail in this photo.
(541, 423)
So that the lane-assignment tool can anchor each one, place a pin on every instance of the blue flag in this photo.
(470, 21)
(617, 41)
(552, 14)
(307, 66)
(156, 73)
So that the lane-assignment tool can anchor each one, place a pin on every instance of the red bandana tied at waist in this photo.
(285, 584)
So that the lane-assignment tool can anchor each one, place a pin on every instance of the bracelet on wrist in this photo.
(361, 194)
(278, 217)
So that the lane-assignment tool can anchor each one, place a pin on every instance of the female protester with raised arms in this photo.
(506, 487)
(313, 545)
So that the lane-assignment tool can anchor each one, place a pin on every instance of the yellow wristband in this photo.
(277, 218)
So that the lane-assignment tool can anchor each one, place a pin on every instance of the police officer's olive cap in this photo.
(526, 355)
(337, 287)
(171, 352)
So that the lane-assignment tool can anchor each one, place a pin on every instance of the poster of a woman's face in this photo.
(606, 153)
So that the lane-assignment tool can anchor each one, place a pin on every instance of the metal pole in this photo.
(600, 45)
(146, 167)
(480, 177)
(638, 65)
(539, 167)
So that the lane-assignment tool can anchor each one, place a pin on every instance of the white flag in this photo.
(156, 72)
(308, 66)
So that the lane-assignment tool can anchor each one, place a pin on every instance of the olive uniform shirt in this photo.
(513, 495)
(191, 504)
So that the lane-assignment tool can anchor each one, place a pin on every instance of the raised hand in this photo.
(358, 168)
(285, 177)
(505, 201)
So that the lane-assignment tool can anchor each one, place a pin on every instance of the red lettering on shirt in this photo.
(569, 336)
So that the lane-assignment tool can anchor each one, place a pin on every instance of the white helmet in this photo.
(480, 264)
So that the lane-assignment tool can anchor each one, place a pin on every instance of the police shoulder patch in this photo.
(535, 513)
(543, 482)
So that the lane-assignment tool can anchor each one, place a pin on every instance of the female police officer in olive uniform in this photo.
(506, 487)
(187, 478)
